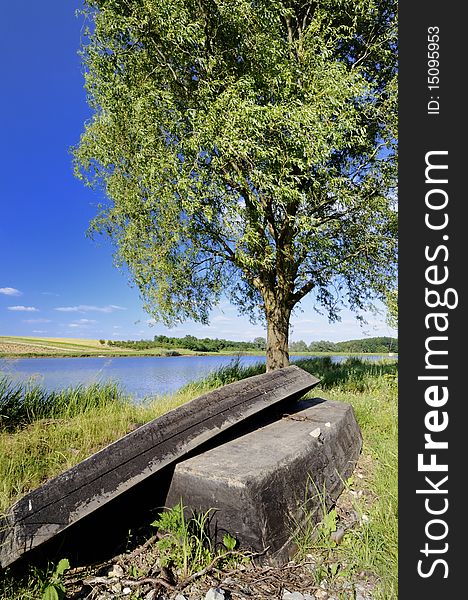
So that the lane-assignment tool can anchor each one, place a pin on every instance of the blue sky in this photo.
(55, 282)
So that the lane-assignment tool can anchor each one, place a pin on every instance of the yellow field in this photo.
(17, 346)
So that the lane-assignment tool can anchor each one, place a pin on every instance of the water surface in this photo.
(140, 376)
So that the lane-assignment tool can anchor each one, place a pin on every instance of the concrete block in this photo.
(259, 481)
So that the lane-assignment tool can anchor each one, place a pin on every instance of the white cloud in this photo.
(9, 291)
(83, 308)
(23, 308)
(37, 321)
(82, 323)
(221, 319)
(39, 331)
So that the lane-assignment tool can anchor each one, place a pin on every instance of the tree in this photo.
(260, 342)
(392, 308)
(245, 149)
(299, 346)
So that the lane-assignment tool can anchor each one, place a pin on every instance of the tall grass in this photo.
(25, 403)
(371, 388)
(233, 371)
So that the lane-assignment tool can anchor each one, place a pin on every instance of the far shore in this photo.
(16, 347)
(181, 354)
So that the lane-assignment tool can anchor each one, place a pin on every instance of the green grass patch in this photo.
(23, 404)
(371, 388)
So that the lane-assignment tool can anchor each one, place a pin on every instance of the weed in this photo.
(35, 584)
(53, 587)
(229, 542)
(186, 544)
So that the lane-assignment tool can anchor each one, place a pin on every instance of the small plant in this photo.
(229, 542)
(326, 527)
(186, 544)
(53, 587)
(135, 572)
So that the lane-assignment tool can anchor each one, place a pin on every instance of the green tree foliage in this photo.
(299, 346)
(322, 346)
(245, 148)
(392, 308)
(260, 342)
(189, 342)
(375, 344)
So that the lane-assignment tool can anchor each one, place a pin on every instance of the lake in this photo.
(140, 376)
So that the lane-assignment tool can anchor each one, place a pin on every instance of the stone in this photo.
(337, 536)
(215, 594)
(116, 571)
(292, 595)
(297, 596)
(258, 480)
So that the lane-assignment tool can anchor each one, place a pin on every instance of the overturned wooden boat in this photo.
(264, 484)
(63, 501)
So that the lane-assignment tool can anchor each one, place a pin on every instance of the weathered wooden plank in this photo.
(76, 493)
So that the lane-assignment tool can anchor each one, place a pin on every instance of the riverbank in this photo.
(37, 443)
(12, 347)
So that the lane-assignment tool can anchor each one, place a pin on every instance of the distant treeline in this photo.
(375, 345)
(190, 342)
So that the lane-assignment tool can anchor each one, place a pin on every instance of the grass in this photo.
(372, 390)
(185, 543)
(43, 434)
(24, 404)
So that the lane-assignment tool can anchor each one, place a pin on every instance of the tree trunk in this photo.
(277, 352)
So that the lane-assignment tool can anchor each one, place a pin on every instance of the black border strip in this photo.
(432, 128)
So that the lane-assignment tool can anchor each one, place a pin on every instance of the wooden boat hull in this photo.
(88, 486)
